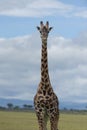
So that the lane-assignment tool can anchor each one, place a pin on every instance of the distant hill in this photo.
(18, 102)
(73, 105)
(62, 105)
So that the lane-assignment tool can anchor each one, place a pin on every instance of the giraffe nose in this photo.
(45, 34)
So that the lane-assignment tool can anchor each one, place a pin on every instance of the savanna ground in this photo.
(27, 121)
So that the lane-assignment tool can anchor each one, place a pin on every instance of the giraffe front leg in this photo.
(42, 122)
(54, 122)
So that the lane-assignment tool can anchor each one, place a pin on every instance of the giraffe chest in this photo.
(45, 95)
(46, 102)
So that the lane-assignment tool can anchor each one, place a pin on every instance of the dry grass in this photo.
(28, 121)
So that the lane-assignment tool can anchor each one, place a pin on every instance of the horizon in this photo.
(62, 105)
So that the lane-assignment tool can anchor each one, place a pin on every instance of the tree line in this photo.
(27, 107)
(10, 106)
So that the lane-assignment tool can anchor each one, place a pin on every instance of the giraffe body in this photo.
(45, 101)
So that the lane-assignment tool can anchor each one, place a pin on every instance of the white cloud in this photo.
(81, 13)
(40, 8)
(69, 67)
(20, 66)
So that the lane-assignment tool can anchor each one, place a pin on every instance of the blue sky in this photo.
(19, 26)
(81, 3)
(12, 25)
(20, 46)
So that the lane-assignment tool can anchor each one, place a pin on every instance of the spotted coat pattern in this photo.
(45, 101)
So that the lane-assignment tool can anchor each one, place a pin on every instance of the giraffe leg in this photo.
(42, 121)
(54, 122)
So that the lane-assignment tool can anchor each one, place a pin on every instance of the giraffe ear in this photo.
(50, 28)
(38, 28)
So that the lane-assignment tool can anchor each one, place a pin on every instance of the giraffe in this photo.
(45, 101)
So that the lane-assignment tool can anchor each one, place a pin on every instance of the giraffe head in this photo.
(44, 30)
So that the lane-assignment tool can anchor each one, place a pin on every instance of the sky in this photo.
(20, 48)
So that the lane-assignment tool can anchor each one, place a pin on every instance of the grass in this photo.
(73, 122)
(28, 121)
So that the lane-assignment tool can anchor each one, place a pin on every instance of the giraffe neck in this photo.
(45, 79)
